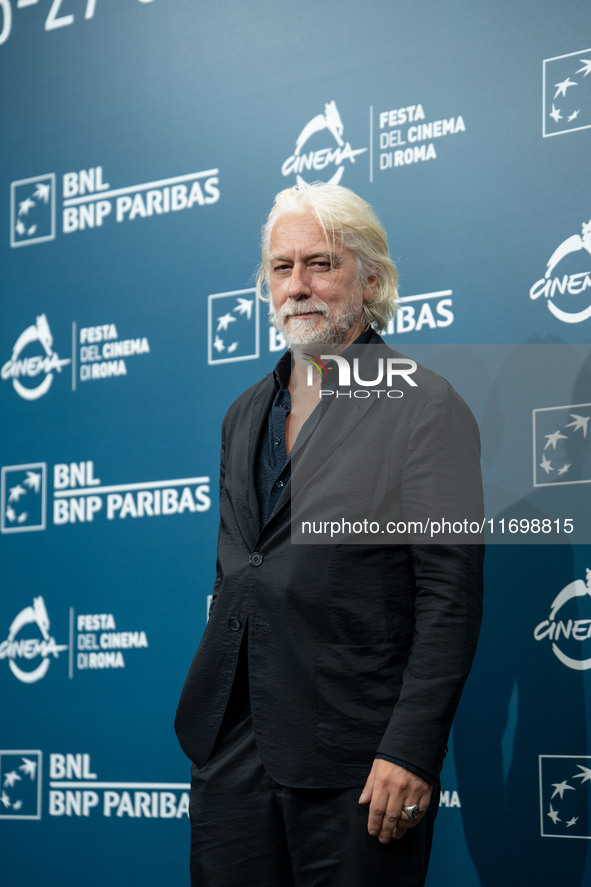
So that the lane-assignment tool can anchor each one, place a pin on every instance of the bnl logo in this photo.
(565, 793)
(32, 210)
(20, 784)
(562, 445)
(233, 326)
(23, 495)
(567, 93)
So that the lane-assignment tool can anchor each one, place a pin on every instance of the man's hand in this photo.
(388, 789)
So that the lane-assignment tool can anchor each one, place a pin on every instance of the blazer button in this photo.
(256, 559)
(234, 624)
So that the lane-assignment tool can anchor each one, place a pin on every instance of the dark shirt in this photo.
(273, 467)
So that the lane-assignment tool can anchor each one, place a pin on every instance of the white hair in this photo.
(348, 220)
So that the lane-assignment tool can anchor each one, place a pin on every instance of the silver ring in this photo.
(411, 812)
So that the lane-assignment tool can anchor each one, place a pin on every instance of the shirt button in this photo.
(279, 484)
(256, 559)
(277, 441)
(234, 624)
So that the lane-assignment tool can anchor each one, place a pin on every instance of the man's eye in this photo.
(321, 265)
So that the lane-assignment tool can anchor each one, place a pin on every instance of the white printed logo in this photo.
(233, 326)
(88, 201)
(32, 210)
(98, 354)
(565, 782)
(562, 447)
(79, 496)
(402, 144)
(568, 284)
(567, 635)
(20, 784)
(567, 93)
(428, 310)
(102, 354)
(319, 159)
(74, 790)
(387, 372)
(29, 649)
(100, 644)
(23, 366)
(23, 495)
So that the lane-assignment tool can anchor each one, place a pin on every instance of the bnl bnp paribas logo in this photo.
(320, 149)
(74, 790)
(234, 334)
(88, 201)
(79, 496)
(567, 93)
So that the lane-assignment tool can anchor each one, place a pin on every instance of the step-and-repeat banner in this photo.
(142, 144)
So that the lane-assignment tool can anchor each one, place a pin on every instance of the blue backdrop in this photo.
(143, 142)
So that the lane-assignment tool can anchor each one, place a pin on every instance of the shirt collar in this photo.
(282, 372)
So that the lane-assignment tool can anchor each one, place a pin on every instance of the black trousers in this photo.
(247, 830)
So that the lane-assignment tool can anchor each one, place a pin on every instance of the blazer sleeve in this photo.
(442, 469)
(218, 576)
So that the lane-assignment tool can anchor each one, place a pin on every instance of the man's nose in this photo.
(299, 283)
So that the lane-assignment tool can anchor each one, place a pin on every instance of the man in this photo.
(317, 708)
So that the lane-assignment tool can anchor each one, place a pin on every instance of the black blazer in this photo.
(353, 649)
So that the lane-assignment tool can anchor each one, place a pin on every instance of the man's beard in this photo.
(332, 331)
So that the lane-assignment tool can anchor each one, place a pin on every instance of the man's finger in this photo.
(392, 822)
(378, 809)
(365, 796)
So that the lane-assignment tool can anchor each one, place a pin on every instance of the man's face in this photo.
(315, 288)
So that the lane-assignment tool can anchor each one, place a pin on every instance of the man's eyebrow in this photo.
(318, 254)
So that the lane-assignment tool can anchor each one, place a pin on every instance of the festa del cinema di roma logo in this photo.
(95, 642)
(306, 158)
(574, 286)
(567, 634)
(98, 353)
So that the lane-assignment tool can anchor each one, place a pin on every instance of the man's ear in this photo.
(369, 288)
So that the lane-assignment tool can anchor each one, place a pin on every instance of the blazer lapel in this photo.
(339, 420)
